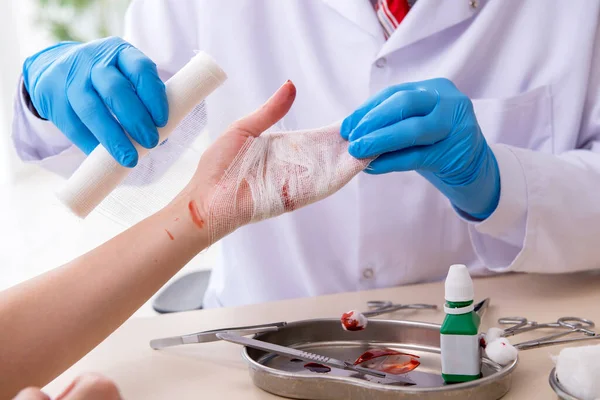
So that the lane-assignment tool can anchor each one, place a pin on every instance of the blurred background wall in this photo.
(36, 232)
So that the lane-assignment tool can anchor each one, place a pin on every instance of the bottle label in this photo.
(460, 354)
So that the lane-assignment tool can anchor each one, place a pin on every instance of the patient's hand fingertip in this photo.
(291, 88)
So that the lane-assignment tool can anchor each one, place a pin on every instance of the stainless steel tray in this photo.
(284, 377)
(558, 388)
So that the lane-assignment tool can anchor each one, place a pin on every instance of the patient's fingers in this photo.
(91, 387)
(31, 394)
(269, 113)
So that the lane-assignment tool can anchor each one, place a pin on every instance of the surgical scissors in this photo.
(566, 325)
(383, 307)
(379, 307)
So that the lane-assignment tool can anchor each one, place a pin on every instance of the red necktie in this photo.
(390, 13)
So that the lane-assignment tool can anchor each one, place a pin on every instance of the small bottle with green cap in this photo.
(461, 355)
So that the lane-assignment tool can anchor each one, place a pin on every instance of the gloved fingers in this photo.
(120, 98)
(35, 65)
(409, 159)
(143, 75)
(72, 127)
(268, 114)
(353, 119)
(399, 106)
(93, 113)
(415, 131)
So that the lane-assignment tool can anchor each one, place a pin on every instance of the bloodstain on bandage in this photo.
(288, 204)
(195, 214)
(170, 235)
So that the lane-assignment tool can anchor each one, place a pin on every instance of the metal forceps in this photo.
(565, 325)
(212, 335)
(383, 307)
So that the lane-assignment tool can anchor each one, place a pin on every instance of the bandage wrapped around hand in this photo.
(279, 172)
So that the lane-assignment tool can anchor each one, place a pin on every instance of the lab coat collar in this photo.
(360, 12)
(428, 17)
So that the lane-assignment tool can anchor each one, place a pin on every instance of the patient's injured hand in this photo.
(247, 177)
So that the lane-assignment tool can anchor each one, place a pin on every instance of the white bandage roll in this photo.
(100, 174)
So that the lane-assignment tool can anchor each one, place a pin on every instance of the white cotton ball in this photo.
(578, 371)
(501, 351)
(493, 334)
(353, 321)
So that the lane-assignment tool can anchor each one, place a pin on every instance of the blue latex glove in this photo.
(95, 92)
(428, 127)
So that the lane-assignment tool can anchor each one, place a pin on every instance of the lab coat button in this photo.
(381, 62)
(368, 273)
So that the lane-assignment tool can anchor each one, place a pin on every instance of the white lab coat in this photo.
(531, 67)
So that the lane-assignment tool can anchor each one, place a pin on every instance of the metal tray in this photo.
(284, 377)
(558, 388)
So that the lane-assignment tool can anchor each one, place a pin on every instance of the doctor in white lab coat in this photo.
(531, 69)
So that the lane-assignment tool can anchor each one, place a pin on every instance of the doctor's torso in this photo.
(515, 59)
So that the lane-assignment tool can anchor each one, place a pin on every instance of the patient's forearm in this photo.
(51, 321)
(48, 323)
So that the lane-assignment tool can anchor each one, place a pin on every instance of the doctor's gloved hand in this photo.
(95, 92)
(429, 127)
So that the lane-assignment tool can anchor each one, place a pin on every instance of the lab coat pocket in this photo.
(522, 121)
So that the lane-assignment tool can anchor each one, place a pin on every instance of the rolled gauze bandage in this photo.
(100, 174)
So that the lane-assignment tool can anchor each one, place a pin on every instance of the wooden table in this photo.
(216, 370)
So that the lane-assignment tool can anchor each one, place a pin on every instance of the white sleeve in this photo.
(499, 240)
(548, 216)
(39, 142)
